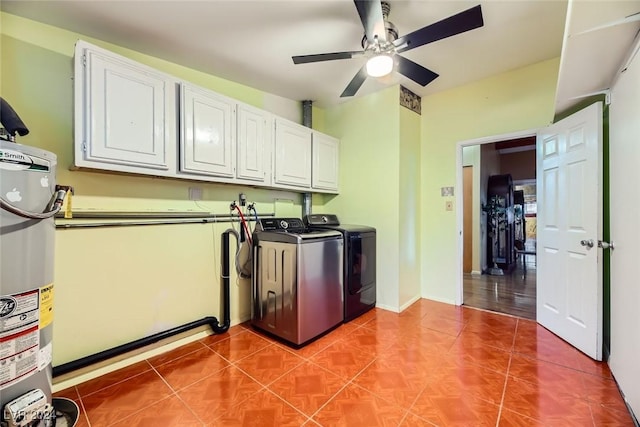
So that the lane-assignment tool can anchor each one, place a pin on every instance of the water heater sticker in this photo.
(45, 356)
(46, 305)
(7, 306)
(15, 160)
(25, 313)
(18, 355)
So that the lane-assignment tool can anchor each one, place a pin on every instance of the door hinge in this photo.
(84, 60)
(84, 146)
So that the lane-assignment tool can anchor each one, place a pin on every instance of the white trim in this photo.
(406, 305)
(459, 214)
(439, 299)
(388, 308)
(476, 273)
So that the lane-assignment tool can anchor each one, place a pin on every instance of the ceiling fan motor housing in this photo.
(391, 29)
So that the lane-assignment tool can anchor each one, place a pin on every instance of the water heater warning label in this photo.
(46, 306)
(19, 336)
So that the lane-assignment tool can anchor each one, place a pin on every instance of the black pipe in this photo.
(225, 286)
(213, 322)
(133, 345)
(10, 120)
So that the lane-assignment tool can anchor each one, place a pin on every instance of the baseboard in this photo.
(476, 273)
(406, 305)
(437, 299)
(387, 307)
(634, 418)
(633, 415)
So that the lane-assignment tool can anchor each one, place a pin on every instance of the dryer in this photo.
(359, 271)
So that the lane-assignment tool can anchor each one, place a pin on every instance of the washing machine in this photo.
(359, 272)
(297, 282)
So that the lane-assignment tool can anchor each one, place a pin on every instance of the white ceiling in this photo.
(251, 42)
(599, 39)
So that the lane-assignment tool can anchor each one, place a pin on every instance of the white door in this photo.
(206, 145)
(252, 134)
(125, 112)
(624, 175)
(292, 154)
(324, 172)
(569, 282)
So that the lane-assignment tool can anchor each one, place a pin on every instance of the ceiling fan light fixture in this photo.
(379, 65)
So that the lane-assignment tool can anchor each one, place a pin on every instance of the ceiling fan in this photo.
(381, 44)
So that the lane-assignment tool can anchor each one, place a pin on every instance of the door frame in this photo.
(459, 196)
(467, 218)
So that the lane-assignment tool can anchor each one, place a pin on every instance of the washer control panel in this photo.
(282, 224)
(321, 219)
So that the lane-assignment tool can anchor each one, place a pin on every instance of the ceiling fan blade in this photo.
(355, 83)
(455, 24)
(370, 12)
(415, 72)
(304, 59)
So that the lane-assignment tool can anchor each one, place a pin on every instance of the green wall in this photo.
(519, 100)
(409, 207)
(369, 131)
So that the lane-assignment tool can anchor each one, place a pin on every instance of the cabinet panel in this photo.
(252, 143)
(124, 112)
(292, 154)
(207, 136)
(325, 162)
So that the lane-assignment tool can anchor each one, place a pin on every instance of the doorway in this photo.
(499, 256)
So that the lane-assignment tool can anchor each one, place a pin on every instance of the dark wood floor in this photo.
(513, 293)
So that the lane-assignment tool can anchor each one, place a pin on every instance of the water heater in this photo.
(27, 204)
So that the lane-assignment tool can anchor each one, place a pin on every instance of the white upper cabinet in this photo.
(132, 118)
(292, 145)
(206, 137)
(325, 163)
(253, 144)
(125, 114)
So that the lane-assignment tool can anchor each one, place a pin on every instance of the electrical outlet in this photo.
(448, 205)
(195, 193)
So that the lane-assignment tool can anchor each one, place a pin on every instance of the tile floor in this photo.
(433, 364)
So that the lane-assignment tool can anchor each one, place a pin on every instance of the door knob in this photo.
(587, 243)
(605, 245)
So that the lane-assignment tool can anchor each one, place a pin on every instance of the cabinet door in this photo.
(325, 162)
(206, 145)
(125, 112)
(292, 154)
(252, 143)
